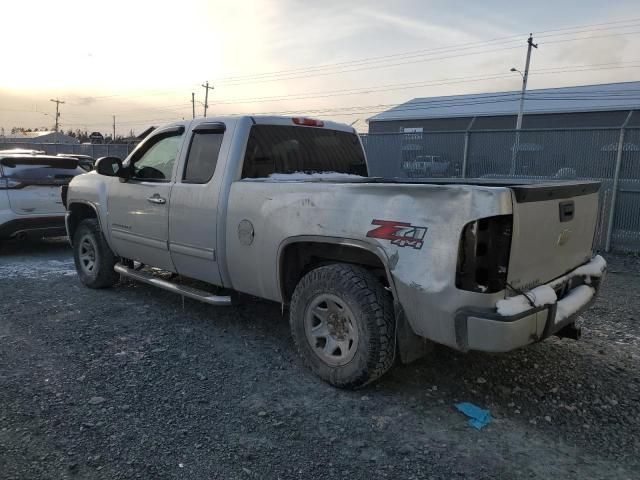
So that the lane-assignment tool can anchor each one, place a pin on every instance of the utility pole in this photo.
(525, 77)
(57, 102)
(193, 105)
(206, 96)
(113, 139)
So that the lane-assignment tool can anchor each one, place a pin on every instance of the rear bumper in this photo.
(487, 330)
(47, 226)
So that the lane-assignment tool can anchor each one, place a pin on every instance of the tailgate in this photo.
(553, 230)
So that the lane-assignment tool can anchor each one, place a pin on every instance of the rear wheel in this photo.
(93, 258)
(342, 322)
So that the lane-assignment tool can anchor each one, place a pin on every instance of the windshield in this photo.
(283, 149)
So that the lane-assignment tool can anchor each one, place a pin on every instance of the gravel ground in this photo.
(133, 383)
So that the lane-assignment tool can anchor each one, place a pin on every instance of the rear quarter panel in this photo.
(423, 278)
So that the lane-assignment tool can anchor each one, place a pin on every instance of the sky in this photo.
(344, 60)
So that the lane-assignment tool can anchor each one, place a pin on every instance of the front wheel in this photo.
(342, 323)
(93, 258)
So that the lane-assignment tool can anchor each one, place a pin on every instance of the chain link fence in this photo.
(608, 155)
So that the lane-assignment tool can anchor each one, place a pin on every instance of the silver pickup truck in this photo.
(371, 269)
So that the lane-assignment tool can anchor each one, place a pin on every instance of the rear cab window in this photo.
(202, 156)
(290, 149)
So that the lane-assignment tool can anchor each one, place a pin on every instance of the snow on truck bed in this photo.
(288, 177)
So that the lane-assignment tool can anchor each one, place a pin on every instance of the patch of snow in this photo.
(545, 294)
(595, 268)
(296, 176)
(540, 296)
(574, 301)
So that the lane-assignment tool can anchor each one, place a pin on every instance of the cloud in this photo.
(84, 101)
(406, 26)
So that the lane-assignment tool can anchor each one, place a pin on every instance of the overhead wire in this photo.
(362, 65)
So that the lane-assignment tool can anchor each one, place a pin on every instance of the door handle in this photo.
(155, 198)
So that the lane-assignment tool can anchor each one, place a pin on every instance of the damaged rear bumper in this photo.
(507, 328)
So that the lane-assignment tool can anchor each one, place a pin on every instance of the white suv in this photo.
(30, 201)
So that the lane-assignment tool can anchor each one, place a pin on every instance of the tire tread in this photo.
(376, 305)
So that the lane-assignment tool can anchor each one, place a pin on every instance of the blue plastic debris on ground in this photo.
(478, 417)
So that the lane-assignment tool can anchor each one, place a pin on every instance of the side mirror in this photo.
(110, 166)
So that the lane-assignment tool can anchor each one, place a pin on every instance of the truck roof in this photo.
(270, 120)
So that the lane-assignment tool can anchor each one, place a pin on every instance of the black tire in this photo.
(99, 273)
(369, 313)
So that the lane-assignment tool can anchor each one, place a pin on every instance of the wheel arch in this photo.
(76, 213)
(299, 255)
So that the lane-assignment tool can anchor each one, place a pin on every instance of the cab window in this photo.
(156, 162)
(202, 157)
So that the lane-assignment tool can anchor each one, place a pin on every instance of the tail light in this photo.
(307, 122)
(483, 255)
(8, 183)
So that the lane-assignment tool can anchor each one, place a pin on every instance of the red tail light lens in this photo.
(483, 255)
(307, 122)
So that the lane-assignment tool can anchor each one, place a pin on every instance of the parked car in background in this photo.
(85, 162)
(426, 166)
(30, 203)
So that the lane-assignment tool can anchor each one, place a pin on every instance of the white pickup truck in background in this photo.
(283, 209)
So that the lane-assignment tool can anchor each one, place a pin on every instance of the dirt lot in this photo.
(133, 383)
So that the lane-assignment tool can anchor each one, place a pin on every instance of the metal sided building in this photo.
(433, 129)
(605, 105)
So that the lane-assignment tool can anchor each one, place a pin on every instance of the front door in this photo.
(139, 207)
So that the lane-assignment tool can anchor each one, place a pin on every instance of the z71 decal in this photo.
(399, 233)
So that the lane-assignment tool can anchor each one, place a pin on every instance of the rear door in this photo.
(553, 230)
(139, 208)
(33, 183)
(193, 217)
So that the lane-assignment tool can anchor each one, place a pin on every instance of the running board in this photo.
(187, 291)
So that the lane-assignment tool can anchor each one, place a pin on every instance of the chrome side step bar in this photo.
(185, 290)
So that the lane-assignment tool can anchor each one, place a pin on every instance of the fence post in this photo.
(465, 154)
(616, 179)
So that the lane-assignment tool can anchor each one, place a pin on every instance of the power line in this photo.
(403, 86)
(423, 53)
(410, 62)
(619, 24)
(428, 51)
(445, 101)
(630, 23)
(384, 88)
(427, 104)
